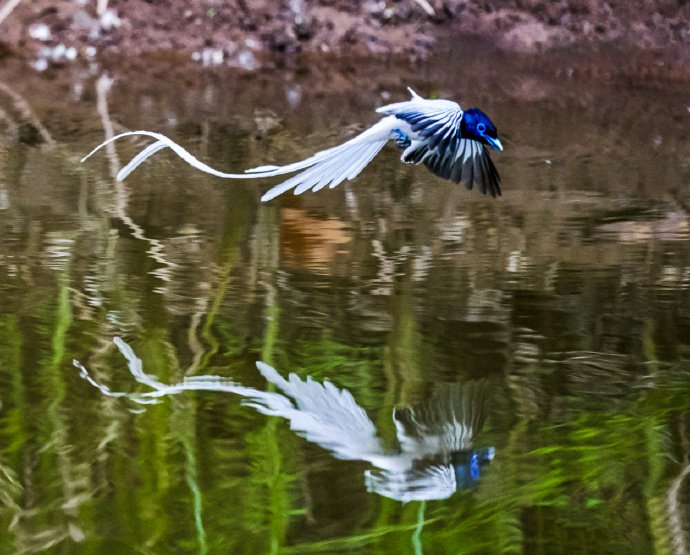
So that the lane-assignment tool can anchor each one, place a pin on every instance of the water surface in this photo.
(567, 298)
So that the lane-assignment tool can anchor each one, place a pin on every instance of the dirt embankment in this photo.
(250, 34)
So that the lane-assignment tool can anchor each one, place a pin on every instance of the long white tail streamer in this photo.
(328, 167)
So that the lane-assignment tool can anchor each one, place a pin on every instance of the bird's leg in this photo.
(401, 139)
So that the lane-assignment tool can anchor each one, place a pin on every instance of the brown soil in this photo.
(250, 34)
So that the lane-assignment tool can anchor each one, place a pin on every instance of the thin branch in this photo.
(23, 107)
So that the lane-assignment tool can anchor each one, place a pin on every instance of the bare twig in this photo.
(23, 108)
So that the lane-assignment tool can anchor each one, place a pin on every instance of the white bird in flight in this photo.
(450, 141)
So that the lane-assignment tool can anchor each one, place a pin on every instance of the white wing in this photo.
(322, 414)
(333, 166)
(445, 423)
(432, 482)
(435, 122)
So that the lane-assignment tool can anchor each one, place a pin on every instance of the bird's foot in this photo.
(401, 139)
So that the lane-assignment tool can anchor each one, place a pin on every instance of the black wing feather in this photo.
(473, 168)
(447, 154)
(469, 178)
(440, 128)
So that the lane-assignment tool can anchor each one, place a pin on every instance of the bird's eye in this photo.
(481, 128)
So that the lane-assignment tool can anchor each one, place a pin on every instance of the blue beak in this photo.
(494, 143)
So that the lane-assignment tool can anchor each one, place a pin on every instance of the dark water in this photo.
(566, 300)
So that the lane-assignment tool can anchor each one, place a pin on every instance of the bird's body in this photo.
(450, 141)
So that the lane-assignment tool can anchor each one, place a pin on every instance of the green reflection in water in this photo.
(570, 295)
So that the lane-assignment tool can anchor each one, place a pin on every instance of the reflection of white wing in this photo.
(445, 423)
(321, 413)
(432, 482)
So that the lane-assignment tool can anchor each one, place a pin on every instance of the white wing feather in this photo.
(322, 414)
(432, 482)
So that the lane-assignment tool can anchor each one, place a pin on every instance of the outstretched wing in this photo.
(423, 484)
(438, 144)
(445, 423)
(330, 167)
(436, 123)
(469, 163)
(321, 413)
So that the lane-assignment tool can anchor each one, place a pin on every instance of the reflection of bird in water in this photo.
(450, 141)
(435, 455)
(436, 437)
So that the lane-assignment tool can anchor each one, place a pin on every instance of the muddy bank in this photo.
(250, 34)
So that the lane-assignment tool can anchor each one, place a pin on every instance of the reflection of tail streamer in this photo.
(674, 510)
(195, 346)
(156, 251)
(22, 106)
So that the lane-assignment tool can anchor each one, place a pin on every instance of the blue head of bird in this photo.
(467, 465)
(476, 125)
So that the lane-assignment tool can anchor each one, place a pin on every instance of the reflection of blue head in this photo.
(467, 465)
